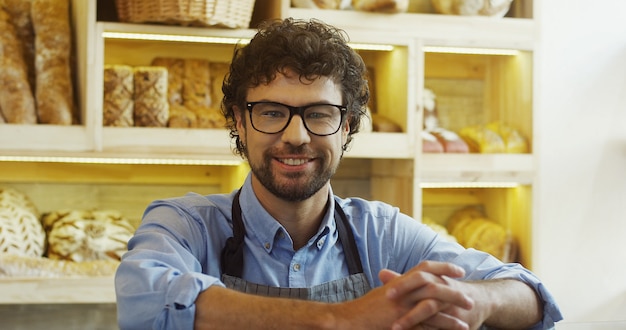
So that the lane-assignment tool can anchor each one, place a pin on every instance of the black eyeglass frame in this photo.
(298, 111)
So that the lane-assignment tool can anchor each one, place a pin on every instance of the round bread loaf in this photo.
(77, 235)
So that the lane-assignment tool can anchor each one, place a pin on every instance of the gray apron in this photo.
(343, 289)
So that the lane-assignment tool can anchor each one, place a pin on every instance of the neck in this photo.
(301, 219)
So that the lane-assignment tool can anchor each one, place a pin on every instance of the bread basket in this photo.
(223, 13)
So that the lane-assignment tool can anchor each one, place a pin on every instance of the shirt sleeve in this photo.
(427, 245)
(162, 274)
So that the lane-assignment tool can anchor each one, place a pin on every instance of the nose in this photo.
(295, 133)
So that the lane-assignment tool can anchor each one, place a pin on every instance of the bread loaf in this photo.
(19, 11)
(21, 232)
(54, 91)
(16, 98)
(196, 84)
(118, 105)
(78, 235)
(151, 106)
(181, 117)
(175, 76)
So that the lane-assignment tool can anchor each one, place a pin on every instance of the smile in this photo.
(293, 161)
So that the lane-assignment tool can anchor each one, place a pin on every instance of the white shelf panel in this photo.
(436, 30)
(380, 145)
(45, 137)
(38, 290)
(443, 168)
(134, 141)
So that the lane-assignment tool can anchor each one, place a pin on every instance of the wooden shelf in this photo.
(57, 290)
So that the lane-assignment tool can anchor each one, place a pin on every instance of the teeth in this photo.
(293, 161)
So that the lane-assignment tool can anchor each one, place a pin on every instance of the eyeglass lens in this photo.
(269, 117)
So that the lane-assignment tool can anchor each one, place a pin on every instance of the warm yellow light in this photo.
(173, 37)
(469, 184)
(115, 160)
(473, 51)
(215, 40)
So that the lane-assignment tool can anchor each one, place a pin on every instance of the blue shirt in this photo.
(175, 254)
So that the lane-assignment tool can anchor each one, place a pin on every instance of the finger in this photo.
(439, 268)
(417, 318)
(413, 287)
(387, 275)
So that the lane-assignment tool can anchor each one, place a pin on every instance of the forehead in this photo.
(291, 89)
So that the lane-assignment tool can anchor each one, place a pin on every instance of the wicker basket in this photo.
(224, 13)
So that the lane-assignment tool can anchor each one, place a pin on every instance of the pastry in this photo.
(54, 93)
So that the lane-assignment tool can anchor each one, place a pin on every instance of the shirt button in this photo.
(320, 243)
(267, 246)
(296, 267)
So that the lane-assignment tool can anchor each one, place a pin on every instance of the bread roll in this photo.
(16, 99)
(119, 88)
(151, 106)
(54, 93)
(451, 142)
(430, 144)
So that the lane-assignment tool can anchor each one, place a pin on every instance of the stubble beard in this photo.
(291, 188)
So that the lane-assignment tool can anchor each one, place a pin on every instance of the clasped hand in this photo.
(425, 297)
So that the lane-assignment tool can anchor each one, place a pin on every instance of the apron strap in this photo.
(232, 254)
(346, 236)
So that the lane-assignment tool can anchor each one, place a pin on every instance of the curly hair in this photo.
(309, 48)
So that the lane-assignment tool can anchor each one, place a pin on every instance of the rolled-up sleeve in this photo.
(161, 275)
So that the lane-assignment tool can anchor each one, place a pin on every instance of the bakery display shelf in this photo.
(440, 30)
(45, 137)
(57, 290)
(477, 168)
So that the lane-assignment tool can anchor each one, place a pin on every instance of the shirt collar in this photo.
(264, 229)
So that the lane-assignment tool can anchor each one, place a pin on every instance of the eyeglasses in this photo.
(318, 119)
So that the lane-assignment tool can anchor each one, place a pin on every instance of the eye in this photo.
(270, 110)
(320, 112)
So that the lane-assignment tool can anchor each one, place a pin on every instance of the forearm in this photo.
(507, 303)
(222, 308)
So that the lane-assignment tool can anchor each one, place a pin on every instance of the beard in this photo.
(293, 187)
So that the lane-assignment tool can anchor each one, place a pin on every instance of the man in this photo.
(283, 251)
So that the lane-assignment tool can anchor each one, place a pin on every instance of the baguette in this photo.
(53, 46)
(19, 10)
(16, 99)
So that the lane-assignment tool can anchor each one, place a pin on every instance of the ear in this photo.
(345, 129)
(240, 124)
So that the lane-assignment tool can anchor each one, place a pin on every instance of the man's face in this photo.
(293, 164)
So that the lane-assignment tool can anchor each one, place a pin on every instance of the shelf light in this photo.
(470, 184)
(173, 37)
(471, 51)
(216, 40)
(119, 161)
